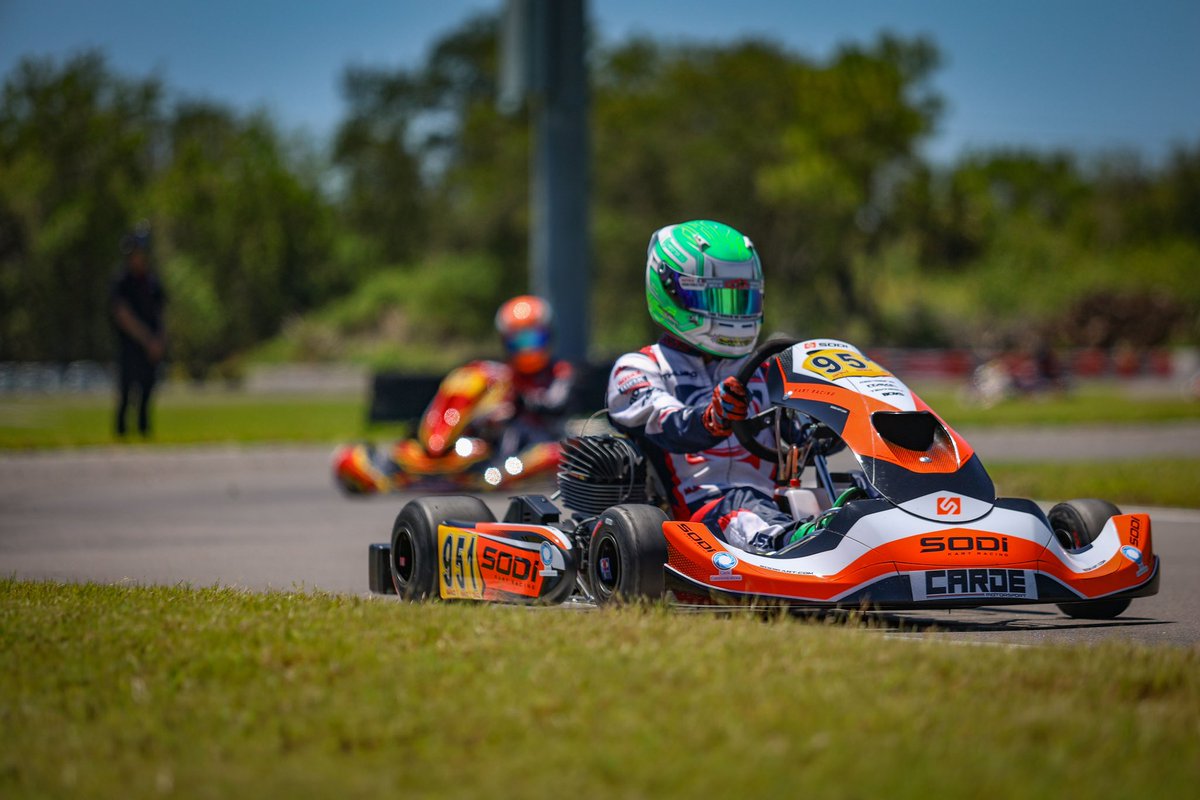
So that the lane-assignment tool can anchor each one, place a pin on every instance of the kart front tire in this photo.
(1096, 609)
(413, 559)
(346, 473)
(1076, 524)
(627, 554)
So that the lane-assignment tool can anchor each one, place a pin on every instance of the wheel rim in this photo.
(403, 558)
(606, 572)
(1067, 530)
(1066, 537)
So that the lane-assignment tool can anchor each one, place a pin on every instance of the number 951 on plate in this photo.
(476, 566)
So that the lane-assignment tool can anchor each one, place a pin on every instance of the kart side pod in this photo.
(495, 561)
(1120, 561)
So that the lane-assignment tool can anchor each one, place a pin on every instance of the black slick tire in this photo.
(413, 559)
(627, 554)
(1076, 524)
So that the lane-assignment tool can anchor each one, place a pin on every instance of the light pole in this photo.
(542, 51)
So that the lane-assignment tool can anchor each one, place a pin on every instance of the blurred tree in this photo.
(1137, 205)
(803, 157)
(1179, 194)
(77, 148)
(479, 158)
(383, 196)
(431, 167)
(956, 213)
(241, 230)
(859, 122)
(1110, 319)
(678, 134)
(239, 226)
(817, 160)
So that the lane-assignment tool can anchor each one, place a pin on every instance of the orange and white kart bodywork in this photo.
(934, 534)
(476, 397)
(889, 558)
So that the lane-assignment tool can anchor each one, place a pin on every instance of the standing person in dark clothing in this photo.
(136, 302)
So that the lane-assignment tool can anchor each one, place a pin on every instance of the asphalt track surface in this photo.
(270, 518)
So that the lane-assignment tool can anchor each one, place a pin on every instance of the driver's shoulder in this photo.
(643, 360)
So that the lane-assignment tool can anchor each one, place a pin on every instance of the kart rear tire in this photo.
(413, 559)
(627, 554)
(1076, 524)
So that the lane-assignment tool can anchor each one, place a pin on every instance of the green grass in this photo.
(1084, 405)
(179, 418)
(1156, 482)
(187, 419)
(138, 692)
(428, 316)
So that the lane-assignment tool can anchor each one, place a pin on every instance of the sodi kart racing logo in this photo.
(949, 506)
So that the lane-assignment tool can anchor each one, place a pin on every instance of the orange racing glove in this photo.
(729, 404)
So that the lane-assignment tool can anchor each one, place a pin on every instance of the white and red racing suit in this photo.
(657, 396)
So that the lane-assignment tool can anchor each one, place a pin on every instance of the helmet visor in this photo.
(730, 297)
(528, 339)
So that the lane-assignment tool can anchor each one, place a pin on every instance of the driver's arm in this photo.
(639, 403)
(552, 400)
(128, 322)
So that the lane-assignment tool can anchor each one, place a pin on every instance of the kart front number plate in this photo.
(835, 364)
(459, 576)
(477, 566)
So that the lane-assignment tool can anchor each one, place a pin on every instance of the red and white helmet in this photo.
(524, 324)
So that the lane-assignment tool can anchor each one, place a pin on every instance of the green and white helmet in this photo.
(704, 285)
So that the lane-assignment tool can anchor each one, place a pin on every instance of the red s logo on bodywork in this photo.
(949, 506)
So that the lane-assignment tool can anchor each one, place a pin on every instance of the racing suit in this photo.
(539, 409)
(657, 396)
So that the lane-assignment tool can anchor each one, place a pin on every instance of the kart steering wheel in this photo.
(746, 430)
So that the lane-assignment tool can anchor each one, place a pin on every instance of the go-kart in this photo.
(458, 443)
(917, 526)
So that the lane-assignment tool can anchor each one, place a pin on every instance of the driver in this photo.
(679, 398)
(542, 385)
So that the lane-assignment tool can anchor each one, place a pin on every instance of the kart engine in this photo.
(598, 472)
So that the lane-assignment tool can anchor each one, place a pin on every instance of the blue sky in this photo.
(1092, 75)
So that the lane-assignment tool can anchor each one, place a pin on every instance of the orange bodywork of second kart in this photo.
(455, 443)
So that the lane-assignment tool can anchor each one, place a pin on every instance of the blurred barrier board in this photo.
(400, 396)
